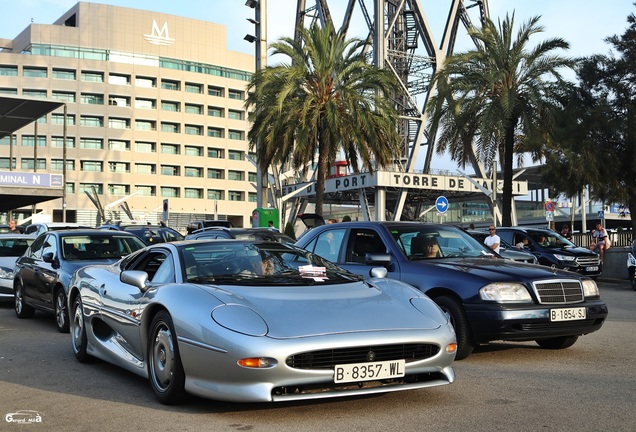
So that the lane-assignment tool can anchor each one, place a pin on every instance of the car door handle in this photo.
(102, 290)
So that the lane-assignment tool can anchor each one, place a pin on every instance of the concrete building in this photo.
(155, 109)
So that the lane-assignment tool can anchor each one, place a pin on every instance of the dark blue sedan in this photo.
(487, 297)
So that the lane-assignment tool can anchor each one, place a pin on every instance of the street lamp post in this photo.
(260, 39)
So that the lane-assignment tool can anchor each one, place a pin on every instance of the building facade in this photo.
(155, 111)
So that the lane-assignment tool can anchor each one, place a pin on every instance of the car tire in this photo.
(465, 343)
(555, 343)
(165, 369)
(61, 311)
(22, 310)
(79, 340)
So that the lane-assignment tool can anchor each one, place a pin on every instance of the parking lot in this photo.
(505, 386)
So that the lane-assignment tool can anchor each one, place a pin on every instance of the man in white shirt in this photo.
(599, 236)
(493, 240)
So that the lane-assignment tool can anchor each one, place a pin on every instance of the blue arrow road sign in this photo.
(441, 204)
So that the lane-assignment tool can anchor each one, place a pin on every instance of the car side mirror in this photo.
(135, 278)
(378, 272)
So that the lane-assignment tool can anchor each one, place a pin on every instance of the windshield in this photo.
(262, 263)
(550, 239)
(434, 242)
(89, 247)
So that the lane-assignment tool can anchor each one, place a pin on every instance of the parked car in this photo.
(39, 228)
(506, 250)
(41, 275)
(148, 233)
(555, 250)
(488, 298)
(12, 246)
(240, 233)
(257, 321)
(197, 225)
(631, 265)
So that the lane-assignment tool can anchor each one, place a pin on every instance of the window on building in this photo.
(193, 193)
(170, 170)
(8, 91)
(90, 76)
(193, 172)
(193, 109)
(251, 196)
(235, 94)
(147, 82)
(235, 196)
(235, 175)
(26, 164)
(193, 151)
(34, 72)
(58, 142)
(118, 79)
(252, 177)
(63, 96)
(4, 163)
(215, 194)
(118, 123)
(64, 74)
(170, 106)
(6, 70)
(193, 129)
(118, 189)
(216, 111)
(146, 190)
(118, 145)
(173, 149)
(193, 88)
(145, 103)
(215, 132)
(94, 121)
(235, 134)
(145, 147)
(143, 168)
(216, 173)
(148, 125)
(216, 91)
(119, 167)
(32, 93)
(169, 192)
(88, 187)
(29, 141)
(58, 119)
(236, 115)
(92, 143)
(170, 127)
(122, 101)
(92, 99)
(70, 188)
(216, 153)
(93, 166)
(58, 165)
(170, 85)
(235, 155)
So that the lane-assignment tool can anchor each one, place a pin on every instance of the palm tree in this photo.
(326, 100)
(496, 99)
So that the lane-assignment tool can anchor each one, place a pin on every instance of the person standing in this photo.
(599, 237)
(493, 240)
(565, 232)
(13, 227)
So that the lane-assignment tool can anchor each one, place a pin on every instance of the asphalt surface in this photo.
(501, 387)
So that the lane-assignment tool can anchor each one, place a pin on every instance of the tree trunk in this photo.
(323, 156)
(506, 199)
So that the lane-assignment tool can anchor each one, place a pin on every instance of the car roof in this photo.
(91, 232)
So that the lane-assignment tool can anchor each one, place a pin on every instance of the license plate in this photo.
(591, 269)
(569, 314)
(355, 372)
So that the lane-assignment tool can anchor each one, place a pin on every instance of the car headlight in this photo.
(590, 289)
(6, 273)
(564, 257)
(501, 292)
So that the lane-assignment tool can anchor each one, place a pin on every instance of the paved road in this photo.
(501, 387)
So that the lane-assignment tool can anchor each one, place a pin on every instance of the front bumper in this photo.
(6, 290)
(522, 322)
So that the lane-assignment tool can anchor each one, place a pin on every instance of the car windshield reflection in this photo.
(428, 242)
(266, 263)
(90, 248)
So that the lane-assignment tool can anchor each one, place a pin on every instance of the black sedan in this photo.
(41, 275)
(487, 297)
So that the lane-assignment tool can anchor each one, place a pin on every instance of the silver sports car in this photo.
(257, 321)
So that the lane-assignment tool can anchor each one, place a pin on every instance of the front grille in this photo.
(559, 291)
(327, 359)
(589, 261)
